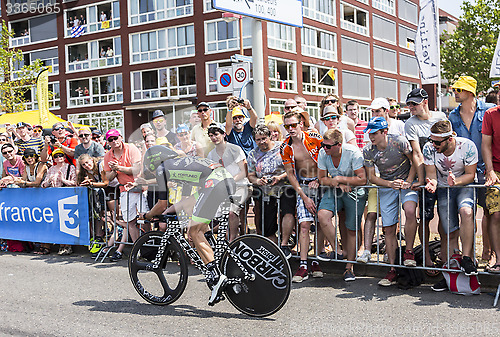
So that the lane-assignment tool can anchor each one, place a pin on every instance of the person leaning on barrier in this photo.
(13, 166)
(344, 164)
(25, 140)
(451, 161)
(391, 154)
(266, 170)
(61, 139)
(35, 170)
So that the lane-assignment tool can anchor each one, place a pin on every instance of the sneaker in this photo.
(300, 275)
(440, 286)
(349, 276)
(67, 251)
(96, 246)
(61, 250)
(389, 279)
(316, 271)
(365, 257)
(386, 258)
(217, 290)
(409, 259)
(330, 256)
(468, 266)
(117, 256)
(287, 252)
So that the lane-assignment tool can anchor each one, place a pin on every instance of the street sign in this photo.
(241, 74)
(288, 12)
(241, 58)
(224, 79)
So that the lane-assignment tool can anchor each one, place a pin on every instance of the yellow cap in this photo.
(237, 112)
(85, 128)
(467, 83)
(56, 151)
(163, 141)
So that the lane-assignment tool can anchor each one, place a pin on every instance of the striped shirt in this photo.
(33, 143)
(360, 135)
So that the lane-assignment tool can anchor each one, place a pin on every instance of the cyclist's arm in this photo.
(157, 209)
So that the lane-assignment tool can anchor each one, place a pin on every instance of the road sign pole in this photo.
(259, 102)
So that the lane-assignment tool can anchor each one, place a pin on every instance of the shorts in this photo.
(389, 201)
(132, 203)
(335, 200)
(493, 198)
(112, 193)
(287, 202)
(242, 193)
(448, 207)
(303, 213)
(372, 200)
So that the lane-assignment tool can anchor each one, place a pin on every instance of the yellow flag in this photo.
(105, 24)
(42, 95)
(331, 73)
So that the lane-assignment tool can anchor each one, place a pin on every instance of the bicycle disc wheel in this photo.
(270, 290)
(165, 284)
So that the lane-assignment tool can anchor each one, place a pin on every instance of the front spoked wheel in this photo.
(269, 291)
(165, 283)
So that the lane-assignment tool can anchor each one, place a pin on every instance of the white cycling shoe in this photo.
(217, 290)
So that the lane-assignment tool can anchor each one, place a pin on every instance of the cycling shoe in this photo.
(217, 290)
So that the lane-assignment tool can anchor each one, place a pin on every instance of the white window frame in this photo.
(94, 63)
(156, 93)
(395, 42)
(354, 26)
(313, 13)
(161, 12)
(25, 40)
(54, 101)
(369, 85)
(417, 76)
(314, 50)
(102, 99)
(289, 84)
(207, 6)
(411, 4)
(408, 45)
(103, 120)
(276, 40)
(319, 89)
(51, 73)
(395, 60)
(94, 27)
(386, 78)
(404, 94)
(247, 39)
(151, 55)
(357, 64)
(385, 6)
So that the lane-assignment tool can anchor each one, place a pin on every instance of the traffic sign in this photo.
(224, 79)
(288, 12)
(241, 74)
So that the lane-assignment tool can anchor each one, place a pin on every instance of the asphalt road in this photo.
(73, 296)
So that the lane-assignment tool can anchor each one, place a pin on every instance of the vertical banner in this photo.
(51, 215)
(495, 64)
(427, 42)
(42, 96)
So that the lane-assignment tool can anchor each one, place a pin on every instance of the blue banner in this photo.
(51, 215)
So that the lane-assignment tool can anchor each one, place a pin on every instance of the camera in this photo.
(240, 100)
(268, 180)
(53, 139)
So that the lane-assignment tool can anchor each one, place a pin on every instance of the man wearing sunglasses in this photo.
(452, 161)
(63, 140)
(25, 141)
(352, 111)
(467, 121)
(199, 133)
(395, 108)
(13, 165)
(160, 125)
(87, 145)
(238, 131)
(299, 153)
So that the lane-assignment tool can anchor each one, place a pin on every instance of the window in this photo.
(407, 11)
(280, 36)
(319, 10)
(387, 6)
(353, 19)
(385, 87)
(164, 83)
(282, 75)
(318, 43)
(103, 121)
(312, 74)
(384, 29)
(207, 6)
(95, 90)
(91, 19)
(211, 71)
(163, 44)
(407, 37)
(142, 11)
(405, 88)
(384, 59)
(355, 52)
(408, 65)
(221, 35)
(355, 85)
(37, 29)
(54, 97)
(94, 54)
(181, 41)
(48, 57)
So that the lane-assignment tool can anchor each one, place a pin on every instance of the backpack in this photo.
(457, 281)
(408, 277)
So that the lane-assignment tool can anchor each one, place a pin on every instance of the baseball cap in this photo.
(112, 132)
(56, 151)
(202, 104)
(217, 126)
(38, 126)
(21, 125)
(467, 83)
(237, 112)
(375, 124)
(29, 152)
(97, 132)
(182, 128)
(379, 102)
(417, 96)
(158, 113)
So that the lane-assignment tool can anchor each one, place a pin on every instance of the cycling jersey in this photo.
(312, 142)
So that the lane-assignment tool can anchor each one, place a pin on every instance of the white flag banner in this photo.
(495, 64)
(427, 42)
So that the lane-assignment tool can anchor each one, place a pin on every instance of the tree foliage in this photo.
(469, 49)
(14, 83)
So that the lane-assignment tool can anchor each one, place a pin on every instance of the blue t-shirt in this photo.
(243, 139)
(476, 127)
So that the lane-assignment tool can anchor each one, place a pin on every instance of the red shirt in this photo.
(360, 135)
(70, 142)
(129, 157)
(491, 127)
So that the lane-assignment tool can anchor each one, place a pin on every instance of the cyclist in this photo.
(215, 185)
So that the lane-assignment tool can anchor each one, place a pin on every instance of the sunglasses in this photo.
(412, 104)
(37, 130)
(329, 118)
(58, 128)
(58, 155)
(327, 146)
(395, 107)
(84, 135)
(182, 134)
(437, 142)
(459, 90)
(3, 139)
(288, 126)
(203, 110)
(159, 120)
(112, 138)
(7, 152)
(30, 155)
(96, 137)
(328, 101)
(290, 107)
